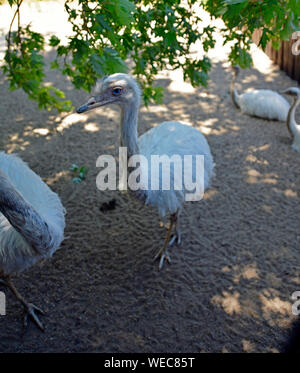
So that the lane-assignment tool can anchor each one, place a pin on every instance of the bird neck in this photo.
(23, 217)
(292, 125)
(234, 93)
(129, 139)
(129, 123)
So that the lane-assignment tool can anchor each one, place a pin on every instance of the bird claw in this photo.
(175, 238)
(163, 256)
(30, 311)
(179, 239)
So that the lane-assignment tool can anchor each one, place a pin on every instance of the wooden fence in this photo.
(284, 57)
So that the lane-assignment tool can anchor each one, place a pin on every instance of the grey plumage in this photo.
(31, 222)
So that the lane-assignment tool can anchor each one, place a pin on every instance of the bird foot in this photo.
(164, 256)
(31, 311)
(175, 238)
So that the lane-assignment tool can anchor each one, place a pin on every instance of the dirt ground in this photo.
(229, 286)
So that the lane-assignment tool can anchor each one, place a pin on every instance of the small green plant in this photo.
(79, 173)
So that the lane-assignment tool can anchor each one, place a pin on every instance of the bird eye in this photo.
(117, 91)
(91, 101)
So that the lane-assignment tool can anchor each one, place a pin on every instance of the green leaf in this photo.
(54, 41)
(124, 11)
(286, 31)
(59, 93)
(171, 39)
(158, 95)
(102, 22)
(264, 39)
(54, 65)
(97, 63)
(114, 63)
(233, 2)
(276, 44)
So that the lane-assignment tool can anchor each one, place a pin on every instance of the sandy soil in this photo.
(229, 286)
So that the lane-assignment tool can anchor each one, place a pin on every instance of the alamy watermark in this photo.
(160, 172)
(296, 45)
(2, 304)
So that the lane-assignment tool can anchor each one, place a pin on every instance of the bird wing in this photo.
(13, 247)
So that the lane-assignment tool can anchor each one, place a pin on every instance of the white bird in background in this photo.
(292, 125)
(169, 138)
(32, 224)
(261, 103)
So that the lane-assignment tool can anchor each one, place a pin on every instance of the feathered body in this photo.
(174, 138)
(44, 210)
(265, 104)
(261, 103)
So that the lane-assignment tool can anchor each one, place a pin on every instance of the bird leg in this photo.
(163, 253)
(177, 236)
(30, 309)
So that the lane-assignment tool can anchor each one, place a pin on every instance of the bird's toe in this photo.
(179, 238)
(176, 238)
(172, 240)
(164, 257)
(31, 311)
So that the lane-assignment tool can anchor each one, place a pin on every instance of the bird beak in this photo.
(82, 109)
(93, 103)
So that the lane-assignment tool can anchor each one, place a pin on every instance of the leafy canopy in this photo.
(149, 36)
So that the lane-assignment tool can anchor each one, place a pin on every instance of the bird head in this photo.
(120, 89)
(292, 91)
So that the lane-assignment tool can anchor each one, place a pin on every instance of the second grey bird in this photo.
(261, 103)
